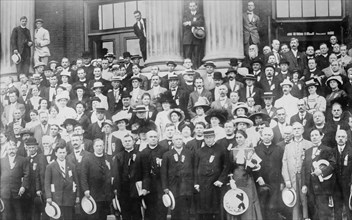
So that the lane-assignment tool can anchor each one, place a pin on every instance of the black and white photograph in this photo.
(176, 110)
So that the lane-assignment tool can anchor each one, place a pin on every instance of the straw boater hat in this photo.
(16, 58)
(65, 73)
(289, 197)
(172, 76)
(243, 119)
(140, 108)
(209, 132)
(97, 85)
(177, 111)
(26, 131)
(169, 200)
(136, 56)
(284, 61)
(286, 82)
(39, 20)
(250, 77)
(53, 210)
(110, 54)
(39, 64)
(268, 95)
(198, 32)
(2, 206)
(202, 102)
(107, 122)
(116, 78)
(116, 204)
(88, 205)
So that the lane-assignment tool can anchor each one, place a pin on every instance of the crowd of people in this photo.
(99, 133)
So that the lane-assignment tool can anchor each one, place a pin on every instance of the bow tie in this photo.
(52, 87)
(249, 13)
(77, 152)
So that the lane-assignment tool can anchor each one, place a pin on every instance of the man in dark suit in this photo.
(177, 177)
(151, 156)
(61, 183)
(7, 115)
(251, 91)
(343, 171)
(140, 31)
(281, 124)
(303, 117)
(269, 175)
(200, 91)
(114, 95)
(270, 82)
(43, 128)
(20, 44)
(229, 141)
(36, 170)
(99, 78)
(99, 187)
(170, 130)
(112, 144)
(198, 140)
(14, 173)
(94, 130)
(192, 18)
(323, 58)
(319, 193)
(125, 174)
(296, 59)
(251, 24)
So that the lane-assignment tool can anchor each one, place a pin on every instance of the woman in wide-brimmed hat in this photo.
(335, 83)
(314, 101)
(200, 108)
(166, 102)
(121, 119)
(215, 118)
(176, 116)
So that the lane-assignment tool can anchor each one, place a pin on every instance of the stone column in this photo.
(164, 32)
(11, 12)
(224, 31)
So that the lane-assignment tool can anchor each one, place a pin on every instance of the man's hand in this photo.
(15, 51)
(21, 191)
(282, 186)
(317, 172)
(288, 184)
(187, 23)
(218, 183)
(304, 189)
(39, 193)
(196, 187)
(115, 191)
(166, 191)
(87, 194)
(260, 181)
(77, 200)
(144, 192)
(30, 43)
(49, 200)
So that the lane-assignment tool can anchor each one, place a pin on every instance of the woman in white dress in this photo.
(314, 101)
(216, 118)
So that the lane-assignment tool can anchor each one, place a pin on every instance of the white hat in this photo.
(16, 58)
(53, 210)
(169, 200)
(286, 82)
(88, 205)
(289, 197)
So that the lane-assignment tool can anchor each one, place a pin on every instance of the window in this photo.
(115, 15)
(308, 8)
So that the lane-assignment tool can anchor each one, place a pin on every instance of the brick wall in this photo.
(65, 22)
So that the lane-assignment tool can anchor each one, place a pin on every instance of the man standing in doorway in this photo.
(191, 45)
(251, 23)
(41, 42)
(141, 32)
(21, 43)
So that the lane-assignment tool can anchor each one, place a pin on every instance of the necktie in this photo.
(269, 81)
(62, 168)
(106, 144)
